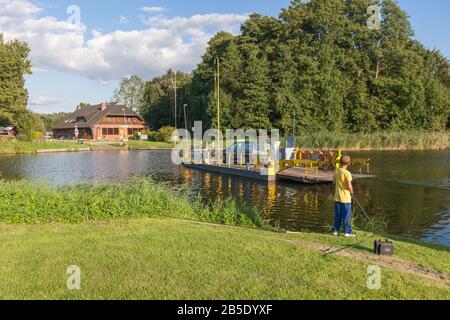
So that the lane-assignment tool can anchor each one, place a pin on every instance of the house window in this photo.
(81, 120)
(132, 131)
(110, 131)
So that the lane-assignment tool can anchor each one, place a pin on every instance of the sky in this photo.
(80, 49)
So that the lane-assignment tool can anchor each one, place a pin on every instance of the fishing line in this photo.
(408, 184)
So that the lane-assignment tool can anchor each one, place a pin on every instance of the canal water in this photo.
(411, 191)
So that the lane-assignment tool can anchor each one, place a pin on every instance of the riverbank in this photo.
(378, 141)
(20, 147)
(388, 141)
(35, 202)
(128, 245)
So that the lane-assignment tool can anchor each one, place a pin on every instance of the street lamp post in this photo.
(176, 100)
(217, 78)
(185, 117)
(175, 88)
(125, 128)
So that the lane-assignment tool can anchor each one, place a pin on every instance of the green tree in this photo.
(159, 99)
(320, 64)
(83, 105)
(130, 93)
(14, 64)
(254, 105)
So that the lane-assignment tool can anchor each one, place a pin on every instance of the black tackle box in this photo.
(383, 248)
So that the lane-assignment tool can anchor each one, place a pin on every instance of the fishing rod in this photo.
(361, 207)
(331, 251)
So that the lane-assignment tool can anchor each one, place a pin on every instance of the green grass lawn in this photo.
(151, 258)
(20, 147)
(144, 240)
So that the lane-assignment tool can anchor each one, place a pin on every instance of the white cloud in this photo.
(153, 9)
(42, 100)
(17, 8)
(177, 42)
(122, 20)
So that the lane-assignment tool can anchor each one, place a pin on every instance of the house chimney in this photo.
(104, 105)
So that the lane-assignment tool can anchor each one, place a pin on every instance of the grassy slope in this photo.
(173, 259)
(145, 257)
(32, 147)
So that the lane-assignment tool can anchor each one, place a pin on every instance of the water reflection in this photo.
(411, 190)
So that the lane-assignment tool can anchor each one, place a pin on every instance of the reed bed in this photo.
(383, 140)
(36, 203)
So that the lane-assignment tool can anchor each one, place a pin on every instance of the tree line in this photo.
(318, 64)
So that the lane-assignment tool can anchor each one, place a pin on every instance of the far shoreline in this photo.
(121, 149)
(349, 142)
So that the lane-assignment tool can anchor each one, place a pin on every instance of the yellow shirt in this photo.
(341, 178)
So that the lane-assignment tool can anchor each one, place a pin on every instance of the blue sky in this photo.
(121, 37)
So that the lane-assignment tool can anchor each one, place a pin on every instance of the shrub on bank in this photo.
(29, 202)
(165, 134)
(153, 136)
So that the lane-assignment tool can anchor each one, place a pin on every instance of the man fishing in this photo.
(343, 198)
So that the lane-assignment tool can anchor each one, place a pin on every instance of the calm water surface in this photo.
(411, 190)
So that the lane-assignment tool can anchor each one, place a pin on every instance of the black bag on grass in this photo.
(384, 248)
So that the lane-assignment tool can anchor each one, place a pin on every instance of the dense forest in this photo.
(317, 63)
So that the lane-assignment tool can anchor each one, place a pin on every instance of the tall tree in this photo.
(131, 93)
(159, 99)
(14, 64)
(254, 104)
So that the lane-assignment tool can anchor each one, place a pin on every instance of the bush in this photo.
(165, 134)
(152, 136)
(136, 135)
(37, 135)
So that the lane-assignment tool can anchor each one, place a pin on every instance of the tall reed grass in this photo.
(382, 140)
(35, 203)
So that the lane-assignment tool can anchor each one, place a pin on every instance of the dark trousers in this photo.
(343, 213)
